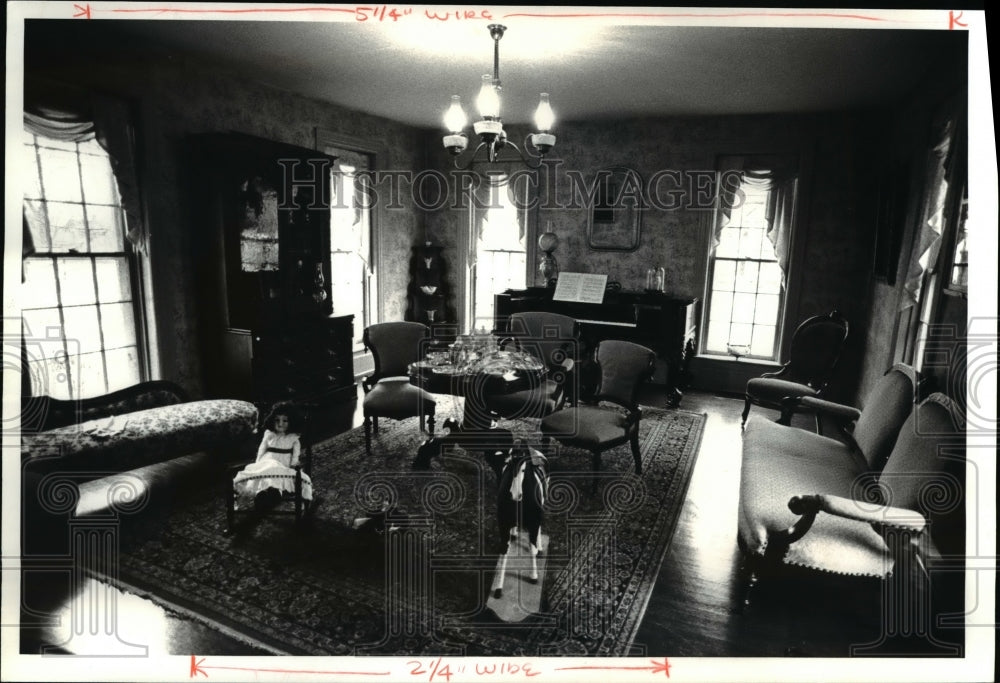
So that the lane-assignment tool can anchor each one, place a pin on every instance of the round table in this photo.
(475, 380)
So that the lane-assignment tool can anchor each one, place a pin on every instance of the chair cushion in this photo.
(773, 390)
(396, 398)
(534, 402)
(780, 462)
(589, 427)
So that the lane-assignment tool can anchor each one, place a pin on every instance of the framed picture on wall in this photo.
(614, 218)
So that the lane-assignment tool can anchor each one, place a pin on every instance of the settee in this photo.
(887, 502)
(123, 452)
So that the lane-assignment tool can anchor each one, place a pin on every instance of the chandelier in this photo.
(490, 128)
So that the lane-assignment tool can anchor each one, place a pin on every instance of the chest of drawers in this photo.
(309, 361)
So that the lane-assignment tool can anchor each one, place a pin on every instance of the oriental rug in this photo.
(420, 586)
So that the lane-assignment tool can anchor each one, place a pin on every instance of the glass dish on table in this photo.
(435, 358)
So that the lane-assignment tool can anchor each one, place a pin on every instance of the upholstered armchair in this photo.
(388, 392)
(553, 339)
(816, 346)
(878, 505)
(613, 418)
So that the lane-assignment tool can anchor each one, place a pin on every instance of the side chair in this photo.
(816, 346)
(388, 392)
(553, 339)
(623, 367)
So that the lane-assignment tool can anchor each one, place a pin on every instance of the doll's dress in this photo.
(272, 469)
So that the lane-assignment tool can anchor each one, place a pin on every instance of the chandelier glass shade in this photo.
(489, 128)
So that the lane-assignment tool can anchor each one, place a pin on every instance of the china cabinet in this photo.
(262, 251)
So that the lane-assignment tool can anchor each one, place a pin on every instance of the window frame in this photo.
(916, 322)
(526, 214)
(129, 255)
(371, 286)
(789, 295)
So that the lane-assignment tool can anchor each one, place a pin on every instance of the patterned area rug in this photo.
(325, 588)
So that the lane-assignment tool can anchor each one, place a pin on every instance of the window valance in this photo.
(73, 115)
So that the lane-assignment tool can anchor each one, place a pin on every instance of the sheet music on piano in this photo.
(586, 288)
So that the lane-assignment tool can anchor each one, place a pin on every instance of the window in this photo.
(939, 258)
(501, 255)
(78, 284)
(352, 271)
(745, 290)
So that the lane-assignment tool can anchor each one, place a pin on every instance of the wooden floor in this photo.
(693, 610)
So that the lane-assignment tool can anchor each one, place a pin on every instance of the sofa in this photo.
(122, 453)
(886, 501)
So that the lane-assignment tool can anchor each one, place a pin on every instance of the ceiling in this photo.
(408, 70)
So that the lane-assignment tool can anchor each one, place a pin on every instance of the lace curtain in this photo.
(62, 113)
(487, 217)
(775, 174)
(927, 242)
(351, 212)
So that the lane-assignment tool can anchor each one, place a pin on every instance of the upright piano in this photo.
(664, 324)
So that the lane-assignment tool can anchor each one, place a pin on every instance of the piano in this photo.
(664, 324)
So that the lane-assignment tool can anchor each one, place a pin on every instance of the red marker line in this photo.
(258, 10)
(198, 668)
(657, 667)
(627, 15)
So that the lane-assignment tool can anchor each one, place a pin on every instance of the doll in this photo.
(272, 475)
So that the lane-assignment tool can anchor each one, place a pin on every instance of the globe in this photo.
(547, 241)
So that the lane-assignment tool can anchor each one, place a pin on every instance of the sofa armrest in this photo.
(838, 411)
(880, 516)
(151, 394)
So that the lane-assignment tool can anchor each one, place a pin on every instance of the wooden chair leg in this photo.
(298, 495)
(636, 455)
(748, 576)
(230, 505)
(746, 411)
(596, 461)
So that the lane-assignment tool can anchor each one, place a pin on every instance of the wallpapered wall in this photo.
(907, 146)
(834, 229)
(176, 98)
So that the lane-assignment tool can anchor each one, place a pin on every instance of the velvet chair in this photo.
(623, 367)
(388, 392)
(553, 339)
(816, 346)
(882, 505)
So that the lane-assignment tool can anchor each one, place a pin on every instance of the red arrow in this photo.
(656, 668)
(195, 669)
(198, 668)
(84, 11)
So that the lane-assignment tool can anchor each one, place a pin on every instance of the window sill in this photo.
(724, 358)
